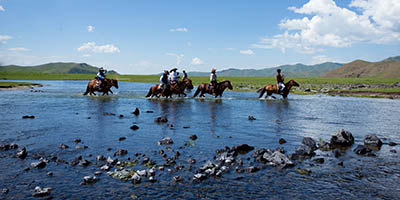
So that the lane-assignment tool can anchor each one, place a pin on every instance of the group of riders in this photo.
(170, 79)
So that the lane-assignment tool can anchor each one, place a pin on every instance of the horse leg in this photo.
(197, 92)
(87, 90)
(262, 92)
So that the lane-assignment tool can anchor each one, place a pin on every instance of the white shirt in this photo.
(213, 77)
(173, 76)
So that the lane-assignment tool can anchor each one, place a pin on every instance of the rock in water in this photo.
(277, 158)
(89, 180)
(342, 138)
(242, 149)
(121, 152)
(136, 111)
(193, 137)
(161, 120)
(282, 141)
(362, 150)
(41, 192)
(250, 117)
(310, 143)
(39, 164)
(134, 127)
(165, 141)
(28, 117)
(63, 146)
(21, 153)
(372, 141)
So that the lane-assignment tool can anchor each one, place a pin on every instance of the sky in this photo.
(148, 36)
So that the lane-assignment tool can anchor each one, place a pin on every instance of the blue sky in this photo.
(145, 37)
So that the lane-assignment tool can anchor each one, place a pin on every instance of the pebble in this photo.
(28, 117)
(282, 141)
(134, 127)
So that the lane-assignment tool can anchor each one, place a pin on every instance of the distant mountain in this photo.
(388, 68)
(52, 68)
(396, 58)
(297, 70)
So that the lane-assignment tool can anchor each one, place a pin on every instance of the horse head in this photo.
(114, 83)
(228, 84)
(293, 83)
(188, 84)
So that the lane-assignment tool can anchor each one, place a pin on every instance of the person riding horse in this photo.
(213, 81)
(185, 76)
(101, 76)
(164, 82)
(280, 80)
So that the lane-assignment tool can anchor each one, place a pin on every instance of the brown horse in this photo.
(219, 89)
(92, 86)
(178, 88)
(273, 88)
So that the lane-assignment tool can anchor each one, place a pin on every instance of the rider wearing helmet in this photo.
(279, 79)
(213, 81)
(101, 76)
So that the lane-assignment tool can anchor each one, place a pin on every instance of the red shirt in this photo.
(279, 78)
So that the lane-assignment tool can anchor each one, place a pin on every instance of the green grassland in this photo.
(311, 84)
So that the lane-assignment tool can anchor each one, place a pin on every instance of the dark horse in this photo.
(273, 88)
(219, 88)
(178, 88)
(92, 86)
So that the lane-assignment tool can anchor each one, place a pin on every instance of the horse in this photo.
(273, 88)
(178, 88)
(92, 86)
(219, 89)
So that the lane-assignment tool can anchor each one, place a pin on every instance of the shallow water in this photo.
(62, 114)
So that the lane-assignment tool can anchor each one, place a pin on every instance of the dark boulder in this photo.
(304, 151)
(310, 143)
(342, 138)
(28, 117)
(40, 164)
(165, 141)
(372, 141)
(63, 146)
(77, 140)
(282, 141)
(250, 117)
(134, 127)
(136, 111)
(242, 149)
(121, 152)
(161, 120)
(362, 150)
(89, 180)
(22, 153)
(84, 163)
(193, 137)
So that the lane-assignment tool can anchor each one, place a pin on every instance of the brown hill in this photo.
(360, 68)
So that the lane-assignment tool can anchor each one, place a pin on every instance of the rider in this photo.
(101, 76)
(164, 80)
(213, 81)
(173, 76)
(185, 76)
(279, 79)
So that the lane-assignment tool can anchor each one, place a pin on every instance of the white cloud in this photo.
(90, 28)
(4, 38)
(196, 61)
(18, 49)
(2, 8)
(183, 29)
(332, 26)
(86, 55)
(321, 59)
(246, 52)
(92, 47)
(179, 57)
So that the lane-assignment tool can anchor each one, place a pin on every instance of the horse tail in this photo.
(149, 93)
(197, 92)
(259, 90)
(262, 92)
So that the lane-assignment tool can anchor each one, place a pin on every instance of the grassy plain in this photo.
(309, 85)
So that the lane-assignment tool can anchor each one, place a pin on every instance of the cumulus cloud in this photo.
(90, 28)
(246, 52)
(328, 25)
(179, 57)
(196, 61)
(1, 8)
(92, 47)
(4, 38)
(18, 49)
(183, 29)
